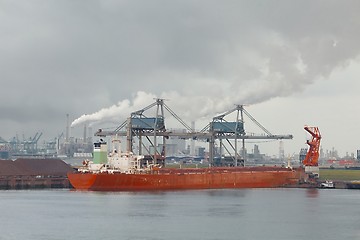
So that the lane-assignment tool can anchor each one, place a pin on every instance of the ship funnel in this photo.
(100, 152)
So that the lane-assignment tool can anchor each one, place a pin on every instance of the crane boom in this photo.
(312, 156)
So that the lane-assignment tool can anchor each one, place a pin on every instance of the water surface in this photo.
(206, 214)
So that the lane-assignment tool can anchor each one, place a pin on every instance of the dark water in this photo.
(206, 214)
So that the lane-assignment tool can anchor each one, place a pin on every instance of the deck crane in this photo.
(311, 161)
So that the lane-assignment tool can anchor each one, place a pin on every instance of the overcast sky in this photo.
(292, 62)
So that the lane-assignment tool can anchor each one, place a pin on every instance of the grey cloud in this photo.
(79, 57)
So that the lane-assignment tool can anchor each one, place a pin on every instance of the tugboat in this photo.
(327, 184)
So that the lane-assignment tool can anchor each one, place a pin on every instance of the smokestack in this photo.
(192, 146)
(90, 134)
(281, 150)
(67, 129)
(85, 129)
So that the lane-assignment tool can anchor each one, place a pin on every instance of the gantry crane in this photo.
(138, 125)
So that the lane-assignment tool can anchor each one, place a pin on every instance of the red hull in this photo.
(175, 179)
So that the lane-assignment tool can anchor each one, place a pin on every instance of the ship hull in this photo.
(210, 178)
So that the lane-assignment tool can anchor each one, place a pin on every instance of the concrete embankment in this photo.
(347, 184)
(342, 178)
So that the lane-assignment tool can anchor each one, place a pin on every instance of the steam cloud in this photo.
(119, 111)
(241, 58)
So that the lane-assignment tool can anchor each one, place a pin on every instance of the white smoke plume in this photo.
(116, 112)
(279, 73)
(205, 65)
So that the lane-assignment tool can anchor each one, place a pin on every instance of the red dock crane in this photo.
(312, 156)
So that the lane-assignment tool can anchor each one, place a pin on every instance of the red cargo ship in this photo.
(127, 172)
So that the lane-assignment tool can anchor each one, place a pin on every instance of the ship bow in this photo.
(82, 181)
